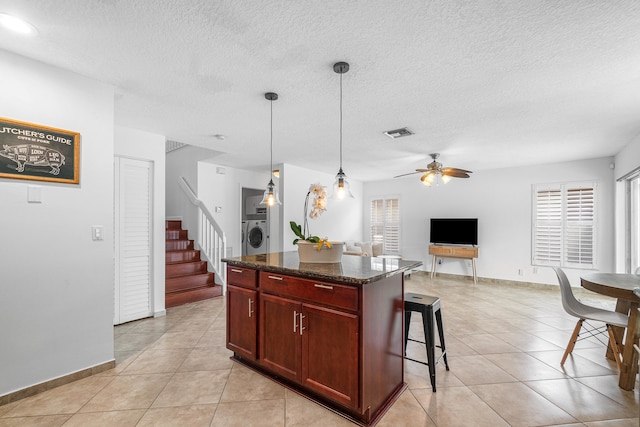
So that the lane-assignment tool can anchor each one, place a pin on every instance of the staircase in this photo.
(187, 278)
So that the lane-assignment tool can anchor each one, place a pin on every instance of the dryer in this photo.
(256, 237)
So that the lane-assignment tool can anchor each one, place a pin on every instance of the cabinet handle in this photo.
(295, 321)
(275, 277)
(301, 327)
(250, 307)
(318, 285)
(237, 271)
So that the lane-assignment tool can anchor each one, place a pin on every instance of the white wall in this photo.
(501, 200)
(56, 291)
(342, 219)
(627, 160)
(182, 162)
(225, 191)
(140, 145)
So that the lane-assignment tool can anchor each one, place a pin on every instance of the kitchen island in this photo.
(332, 332)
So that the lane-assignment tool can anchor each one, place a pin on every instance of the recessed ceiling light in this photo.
(16, 24)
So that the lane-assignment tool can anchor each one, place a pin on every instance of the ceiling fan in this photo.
(435, 172)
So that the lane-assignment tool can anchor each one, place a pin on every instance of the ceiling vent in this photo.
(398, 133)
(172, 145)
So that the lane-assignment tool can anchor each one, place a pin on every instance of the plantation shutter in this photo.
(564, 225)
(385, 224)
(548, 236)
(377, 221)
(392, 226)
(579, 227)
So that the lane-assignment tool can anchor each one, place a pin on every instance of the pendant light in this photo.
(270, 197)
(341, 186)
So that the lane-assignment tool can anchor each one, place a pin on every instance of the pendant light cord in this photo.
(340, 122)
(271, 145)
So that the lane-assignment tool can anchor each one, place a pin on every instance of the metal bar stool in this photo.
(428, 306)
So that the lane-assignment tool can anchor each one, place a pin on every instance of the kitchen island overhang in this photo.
(332, 332)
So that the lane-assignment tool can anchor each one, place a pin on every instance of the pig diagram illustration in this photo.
(33, 155)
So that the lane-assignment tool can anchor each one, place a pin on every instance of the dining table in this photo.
(621, 287)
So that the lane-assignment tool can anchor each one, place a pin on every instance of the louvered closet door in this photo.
(133, 240)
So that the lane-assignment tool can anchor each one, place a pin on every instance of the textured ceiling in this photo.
(487, 84)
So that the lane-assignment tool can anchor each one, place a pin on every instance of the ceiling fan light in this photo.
(446, 178)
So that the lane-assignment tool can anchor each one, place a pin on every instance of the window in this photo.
(634, 224)
(564, 225)
(385, 223)
(633, 221)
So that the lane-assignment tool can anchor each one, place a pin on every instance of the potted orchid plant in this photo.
(304, 239)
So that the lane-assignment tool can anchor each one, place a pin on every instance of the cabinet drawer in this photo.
(340, 296)
(466, 252)
(245, 277)
(453, 251)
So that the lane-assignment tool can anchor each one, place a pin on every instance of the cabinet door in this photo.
(242, 321)
(330, 343)
(280, 338)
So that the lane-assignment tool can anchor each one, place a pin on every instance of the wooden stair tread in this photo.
(187, 278)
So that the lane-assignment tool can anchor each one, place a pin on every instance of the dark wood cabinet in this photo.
(242, 316)
(338, 342)
(314, 345)
(280, 339)
(330, 343)
(242, 312)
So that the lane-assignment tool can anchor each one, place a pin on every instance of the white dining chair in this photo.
(585, 312)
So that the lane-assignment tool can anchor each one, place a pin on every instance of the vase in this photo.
(308, 252)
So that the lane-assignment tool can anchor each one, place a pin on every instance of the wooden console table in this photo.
(463, 252)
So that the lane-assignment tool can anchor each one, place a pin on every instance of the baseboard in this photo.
(160, 313)
(56, 382)
(488, 280)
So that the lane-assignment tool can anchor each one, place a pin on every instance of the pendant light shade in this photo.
(341, 188)
(270, 197)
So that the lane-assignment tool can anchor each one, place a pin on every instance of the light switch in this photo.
(34, 194)
(96, 232)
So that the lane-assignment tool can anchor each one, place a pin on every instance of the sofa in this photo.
(362, 248)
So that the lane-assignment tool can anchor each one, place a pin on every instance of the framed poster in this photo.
(38, 153)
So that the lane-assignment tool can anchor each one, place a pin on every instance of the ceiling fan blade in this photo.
(455, 174)
(456, 170)
(405, 174)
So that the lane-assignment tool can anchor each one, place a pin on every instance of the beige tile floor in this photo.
(504, 344)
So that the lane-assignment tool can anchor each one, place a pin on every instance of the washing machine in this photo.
(256, 237)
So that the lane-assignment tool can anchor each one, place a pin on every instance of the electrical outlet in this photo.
(96, 232)
(535, 270)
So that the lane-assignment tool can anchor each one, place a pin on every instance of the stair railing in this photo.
(211, 239)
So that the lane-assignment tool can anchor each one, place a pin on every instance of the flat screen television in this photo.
(456, 231)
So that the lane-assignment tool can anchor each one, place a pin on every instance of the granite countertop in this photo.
(353, 269)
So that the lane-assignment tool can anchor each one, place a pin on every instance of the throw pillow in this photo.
(367, 250)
